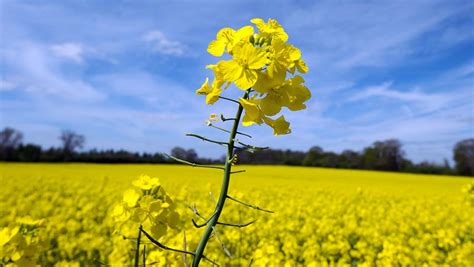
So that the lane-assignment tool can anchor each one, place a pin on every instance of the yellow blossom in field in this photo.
(145, 182)
(339, 217)
(6, 234)
(30, 221)
(130, 197)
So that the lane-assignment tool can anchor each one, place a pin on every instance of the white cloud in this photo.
(422, 100)
(7, 85)
(163, 45)
(151, 89)
(71, 51)
(40, 74)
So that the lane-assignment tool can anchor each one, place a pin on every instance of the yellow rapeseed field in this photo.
(63, 215)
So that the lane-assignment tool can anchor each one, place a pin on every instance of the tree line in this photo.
(386, 155)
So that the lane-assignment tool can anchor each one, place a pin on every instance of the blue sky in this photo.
(124, 73)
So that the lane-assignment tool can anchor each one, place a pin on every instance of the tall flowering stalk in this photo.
(263, 65)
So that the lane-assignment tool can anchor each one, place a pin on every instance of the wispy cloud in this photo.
(71, 51)
(37, 71)
(163, 45)
(6, 85)
(425, 101)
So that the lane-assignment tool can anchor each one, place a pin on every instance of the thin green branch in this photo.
(257, 148)
(237, 225)
(226, 119)
(249, 205)
(207, 139)
(229, 99)
(226, 251)
(203, 224)
(144, 256)
(227, 131)
(192, 164)
(156, 242)
(160, 245)
(241, 171)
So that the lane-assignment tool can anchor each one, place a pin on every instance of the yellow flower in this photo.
(120, 214)
(30, 221)
(300, 65)
(213, 117)
(145, 182)
(265, 82)
(291, 94)
(260, 61)
(271, 104)
(204, 89)
(213, 96)
(212, 93)
(6, 234)
(282, 57)
(253, 114)
(280, 125)
(245, 66)
(218, 76)
(297, 93)
(272, 29)
(130, 197)
(227, 38)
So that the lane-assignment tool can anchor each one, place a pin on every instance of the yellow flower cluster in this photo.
(20, 243)
(259, 60)
(320, 219)
(148, 205)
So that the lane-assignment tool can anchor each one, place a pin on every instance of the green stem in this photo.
(225, 187)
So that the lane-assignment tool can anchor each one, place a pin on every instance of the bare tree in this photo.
(10, 139)
(70, 142)
(464, 157)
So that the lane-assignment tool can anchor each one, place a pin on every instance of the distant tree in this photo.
(294, 158)
(329, 160)
(29, 152)
(350, 159)
(314, 154)
(181, 153)
(384, 155)
(10, 139)
(464, 157)
(70, 142)
(52, 155)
